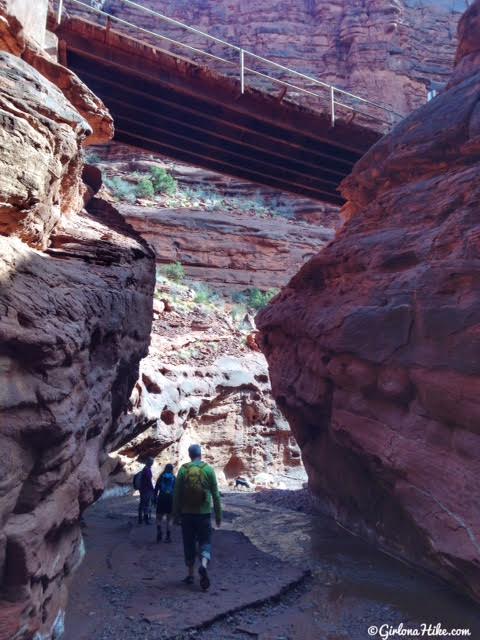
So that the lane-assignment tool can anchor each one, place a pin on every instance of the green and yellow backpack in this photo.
(195, 486)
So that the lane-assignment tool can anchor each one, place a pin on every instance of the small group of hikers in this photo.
(186, 500)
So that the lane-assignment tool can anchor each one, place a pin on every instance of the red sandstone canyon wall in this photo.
(226, 232)
(229, 250)
(388, 51)
(374, 348)
(76, 290)
(205, 381)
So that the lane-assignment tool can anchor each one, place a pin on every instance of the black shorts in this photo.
(196, 528)
(164, 503)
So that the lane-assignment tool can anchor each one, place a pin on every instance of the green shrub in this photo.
(145, 189)
(121, 189)
(282, 209)
(259, 299)
(240, 297)
(194, 196)
(204, 295)
(252, 299)
(261, 206)
(162, 181)
(174, 271)
(185, 354)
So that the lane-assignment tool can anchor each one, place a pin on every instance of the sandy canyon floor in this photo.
(278, 574)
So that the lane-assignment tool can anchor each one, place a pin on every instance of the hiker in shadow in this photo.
(164, 488)
(143, 481)
(195, 489)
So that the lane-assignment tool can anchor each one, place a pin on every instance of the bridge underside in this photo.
(176, 108)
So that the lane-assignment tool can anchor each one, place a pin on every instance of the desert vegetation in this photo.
(149, 185)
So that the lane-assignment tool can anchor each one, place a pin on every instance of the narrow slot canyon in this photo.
(281, 271)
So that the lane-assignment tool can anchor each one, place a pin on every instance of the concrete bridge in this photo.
(296, 139)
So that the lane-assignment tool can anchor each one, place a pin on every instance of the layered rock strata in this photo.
(228, 233)
(116, 159)
(201, 382)
(227, 407)
(374, 347)
(75, 316)
(389, 51)
(232, 251)
(392, 53)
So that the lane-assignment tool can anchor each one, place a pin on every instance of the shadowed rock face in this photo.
(374, 346)
(75, 316)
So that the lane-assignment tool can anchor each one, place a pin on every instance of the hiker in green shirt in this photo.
(195, 488)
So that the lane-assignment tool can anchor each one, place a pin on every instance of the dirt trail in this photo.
(129, 587)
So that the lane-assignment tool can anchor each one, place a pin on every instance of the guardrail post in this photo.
(60, 10)
(242, 70)
(332, 105)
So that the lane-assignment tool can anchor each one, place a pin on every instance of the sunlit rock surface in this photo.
(205, 381)
(230, 233)
(389, 51)
(75, 316)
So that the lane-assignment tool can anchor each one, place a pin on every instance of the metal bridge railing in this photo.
(335, 97)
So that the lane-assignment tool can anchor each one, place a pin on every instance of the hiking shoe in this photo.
(204, 579)
(188, 580)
